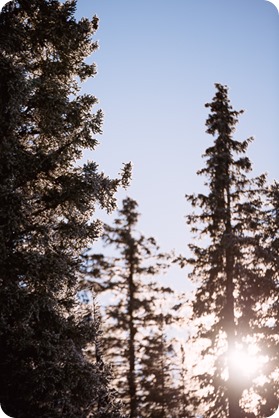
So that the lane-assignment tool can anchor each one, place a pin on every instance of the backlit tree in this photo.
(46, 205)
(229, 276)
(132, 314)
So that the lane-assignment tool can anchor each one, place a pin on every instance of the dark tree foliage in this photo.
(134, 316)
(163, 391)
(156, 380)
(163, 379)
(46, 205)
(107, 403)
(228, 270)
(188, 401)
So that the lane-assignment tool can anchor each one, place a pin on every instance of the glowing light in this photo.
(248, 363)
(2, 414)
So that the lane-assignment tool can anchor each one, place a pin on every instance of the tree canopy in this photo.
(46, 207)
(60, 357)
(137, 311)
(234, 282)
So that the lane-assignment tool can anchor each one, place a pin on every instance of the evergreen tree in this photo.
(134, 311)
(46, 207)
(227, 272)
(187, 396)
(156, 380)
(107, 404)
(163, 394)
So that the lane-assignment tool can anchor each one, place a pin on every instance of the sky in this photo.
(157, 64)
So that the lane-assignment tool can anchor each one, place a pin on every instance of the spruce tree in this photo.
(107, 403)
(134, 311)
(226, 269)
(46, 207)
(187, 399)
(161, 394)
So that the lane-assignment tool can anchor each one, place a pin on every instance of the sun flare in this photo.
(249, 362)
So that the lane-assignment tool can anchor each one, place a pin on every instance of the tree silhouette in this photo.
(46, 208)
(133, 337)
(229, 276)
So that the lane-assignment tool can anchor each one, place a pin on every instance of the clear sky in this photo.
(157, 64)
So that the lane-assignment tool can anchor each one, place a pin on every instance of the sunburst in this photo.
(248, 362)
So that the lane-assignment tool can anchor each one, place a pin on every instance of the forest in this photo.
(87, 334)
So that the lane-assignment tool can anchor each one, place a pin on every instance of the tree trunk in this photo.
(132, 333)
(233, 387)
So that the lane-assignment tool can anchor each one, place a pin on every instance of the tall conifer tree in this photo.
(162, 394)
(46, 205)
(227, 271)
(135, 310)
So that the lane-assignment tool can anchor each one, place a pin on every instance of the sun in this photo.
(248, 362)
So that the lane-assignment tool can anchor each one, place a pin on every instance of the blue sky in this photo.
(157, 64)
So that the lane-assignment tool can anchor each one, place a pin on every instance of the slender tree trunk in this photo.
(233, 387)
(233, 392)
(132, 333)
(163, 374)
(182, 377)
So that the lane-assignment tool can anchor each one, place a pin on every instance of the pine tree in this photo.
(228, 276)
(159, 376)
(46, 207)
(136, 298)
(187, 397)
(107, 404)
